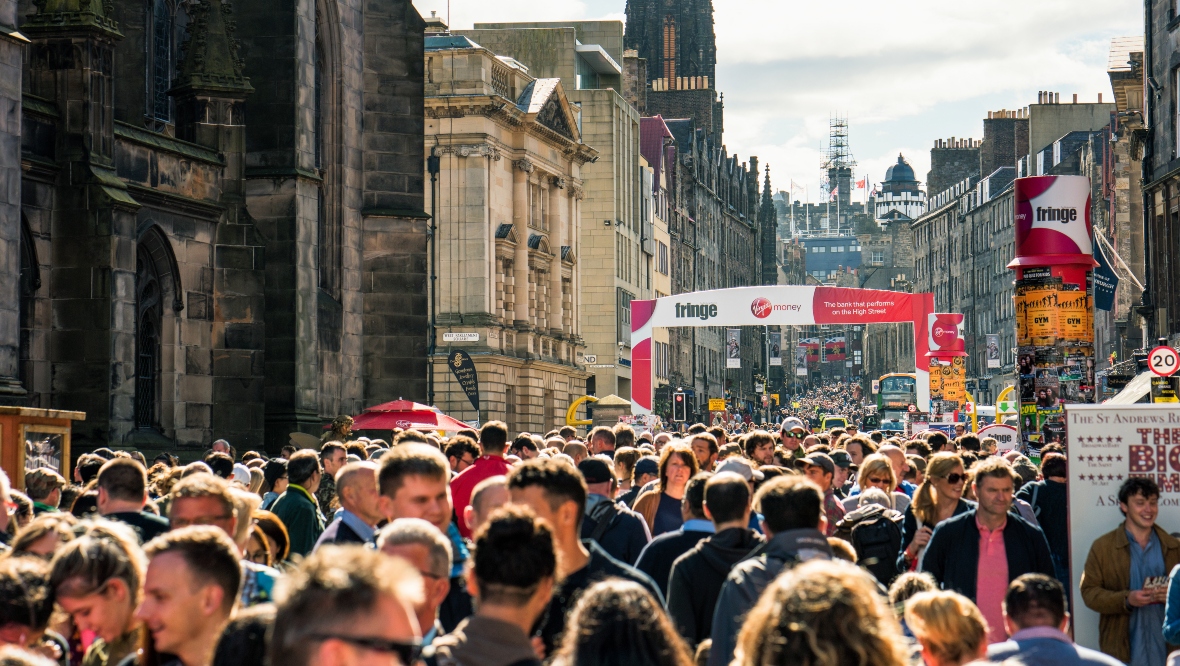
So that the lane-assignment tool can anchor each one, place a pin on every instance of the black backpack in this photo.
(876, 537)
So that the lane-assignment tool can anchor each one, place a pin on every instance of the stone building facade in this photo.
(509, 267)
(214, 237)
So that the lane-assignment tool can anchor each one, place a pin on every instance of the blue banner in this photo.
(1105, 280)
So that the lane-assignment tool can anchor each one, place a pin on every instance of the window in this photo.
(661, 258)
(165, 25)
(878, 258)
(624, 316)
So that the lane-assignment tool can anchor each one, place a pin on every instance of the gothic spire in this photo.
(212, 62)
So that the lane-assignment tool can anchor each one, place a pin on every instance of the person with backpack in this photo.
(621, 532)
(874, 530)
(1047, 498)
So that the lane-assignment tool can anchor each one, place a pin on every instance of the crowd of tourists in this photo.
(831, 397)
(789, 546)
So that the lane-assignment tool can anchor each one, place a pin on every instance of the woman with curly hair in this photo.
(619, 623)
(822, 613)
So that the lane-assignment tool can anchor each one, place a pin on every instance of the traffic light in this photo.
(679, 407)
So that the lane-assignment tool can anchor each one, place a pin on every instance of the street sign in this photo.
(1006, 436)
(460, 337)
(716, 404)
(1163, 361)
(1007, 407)
(912, 409)
(759, 388)
(969, 407)
(876, 386)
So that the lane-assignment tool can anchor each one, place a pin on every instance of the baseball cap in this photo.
(647, 465)
(792, 423)
(841, 458)
(595, 471)
(241, 474)
(820, 459)
(740, 466)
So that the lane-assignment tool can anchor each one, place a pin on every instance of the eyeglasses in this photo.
(955, 478)
(796, 435)
(407, 652)
(876, 480)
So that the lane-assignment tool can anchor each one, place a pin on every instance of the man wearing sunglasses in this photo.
(348, 606)
(792, 434)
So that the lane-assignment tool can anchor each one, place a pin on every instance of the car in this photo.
(833, 421)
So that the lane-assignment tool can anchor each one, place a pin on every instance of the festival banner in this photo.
(993, 350)
(835, 348)
(733, 347)
(1108, 444)
(775, 354)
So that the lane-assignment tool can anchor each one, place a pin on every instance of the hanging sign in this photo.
(464, 370)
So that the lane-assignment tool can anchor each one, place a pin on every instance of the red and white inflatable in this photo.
(774, 306)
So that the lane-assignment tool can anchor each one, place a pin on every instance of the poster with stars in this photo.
(1107, 444)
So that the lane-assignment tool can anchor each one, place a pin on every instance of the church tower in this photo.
(676, 39)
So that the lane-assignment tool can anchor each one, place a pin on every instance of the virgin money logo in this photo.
(761, 307)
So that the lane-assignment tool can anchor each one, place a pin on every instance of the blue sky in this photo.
(904, 73)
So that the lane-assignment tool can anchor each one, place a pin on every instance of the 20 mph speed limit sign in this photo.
(1163, 361)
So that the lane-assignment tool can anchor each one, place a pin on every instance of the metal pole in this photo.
(433, 166)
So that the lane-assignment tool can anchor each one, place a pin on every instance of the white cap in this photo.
(241, 474)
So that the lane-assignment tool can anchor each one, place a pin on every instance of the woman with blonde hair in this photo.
(822, 613)
(940, 496)
(877, 472)
(661, 507)
(950, 628)
(256, 480)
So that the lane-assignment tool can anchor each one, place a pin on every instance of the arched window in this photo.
(326, 140)
(148, 325)
(30, 282)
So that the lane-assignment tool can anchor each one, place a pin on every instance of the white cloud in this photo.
(904, 73)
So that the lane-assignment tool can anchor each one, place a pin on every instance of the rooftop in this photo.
(1121, 49)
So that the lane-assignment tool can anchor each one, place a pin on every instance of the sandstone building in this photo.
(207, 233)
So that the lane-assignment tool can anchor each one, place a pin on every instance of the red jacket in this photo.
(485, 467)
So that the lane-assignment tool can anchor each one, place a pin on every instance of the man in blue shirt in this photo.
(356, 520)
(1036, 621)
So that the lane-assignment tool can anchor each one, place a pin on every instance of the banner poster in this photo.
(733, 347)
(835, 348)
(1040, 315)
(776, 345)
(1071, 314)
(1105, 281)
(935, 379)
(993, 350)
(1021, 308)
(954, 383)
(1107, 444)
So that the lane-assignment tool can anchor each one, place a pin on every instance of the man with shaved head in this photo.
(356, 522)
(489, 495)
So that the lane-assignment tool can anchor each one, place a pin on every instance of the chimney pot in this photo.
(1075, 98)
(1099, 98)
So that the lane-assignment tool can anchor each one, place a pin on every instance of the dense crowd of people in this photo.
(789, 546)
(830, 397)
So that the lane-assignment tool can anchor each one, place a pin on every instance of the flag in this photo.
(835, 191)
(797, 188)
(860, 184)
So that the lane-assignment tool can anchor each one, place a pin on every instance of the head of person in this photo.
(190, 589)
(554, 491)
(356, 487)
(304, 470)
(619, 622)
(727, 500)
(843, 465)
(122, 486)
(905, 586)
(26, 600)
(661, 440)
(288, 451)
(624, 435)
(705, 448)
(859, 448)
(876, 471)
(647, 469)
(944, 483)
(792, 433)
(44, 535)
(759, 447)
(1054, 466)
(429, 551)
(220, 463)
(347, 606)
(821, 612)
(897, 459)
(44, 486)
(600, 479)
(692, 505)
(275, 533)
(624, 463)
(203, 499)
(601, 440)
(677, 466)
(938, 441)
(275, 477)
(820, 468)
(97, 578)
(87, 467)
(515, 562)
(222, 446)
(994, 485)
(1139, 500)
(960, 429)
(969, 442)
(461, 453)
(332, 458)
(790, 503)
(568, 432)
(414, 482)
(493, 438)
(487, 496)
(950, 628)
(1035, 600)
(243, 642)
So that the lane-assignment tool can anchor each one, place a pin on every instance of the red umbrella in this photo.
(405, 414)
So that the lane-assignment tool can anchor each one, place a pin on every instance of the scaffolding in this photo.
(838, 171)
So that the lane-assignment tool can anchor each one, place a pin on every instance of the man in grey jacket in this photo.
(793, 520)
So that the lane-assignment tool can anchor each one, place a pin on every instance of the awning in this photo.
(1134, 392)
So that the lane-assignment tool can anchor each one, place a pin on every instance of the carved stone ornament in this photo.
(524, 165)
(559, 182)
(478, 150)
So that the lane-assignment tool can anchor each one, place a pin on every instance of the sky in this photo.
(903, 73)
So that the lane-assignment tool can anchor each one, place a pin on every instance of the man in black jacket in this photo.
(697, 576)
(1047, 498)
(620, 531)
(657, 558)
(980, 552)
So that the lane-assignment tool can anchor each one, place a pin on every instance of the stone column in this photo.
(520, 222)
(11, 43)
(576, 195)
(556, 238)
